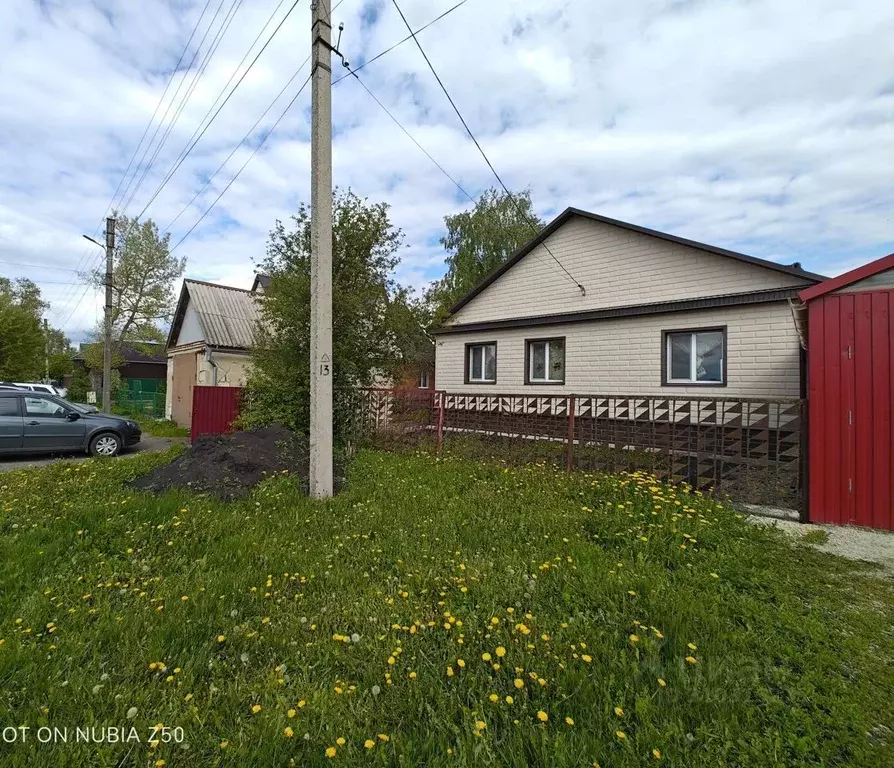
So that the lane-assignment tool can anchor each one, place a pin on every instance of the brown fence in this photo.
(749, 449)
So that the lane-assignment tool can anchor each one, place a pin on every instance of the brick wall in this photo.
(624, 355)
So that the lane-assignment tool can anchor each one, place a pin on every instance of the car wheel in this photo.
(105, 444)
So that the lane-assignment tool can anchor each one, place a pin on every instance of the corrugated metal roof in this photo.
(229, 316)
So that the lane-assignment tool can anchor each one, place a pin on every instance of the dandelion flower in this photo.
(291, 713)
(288, 732)
(340, 741)
(569, 721)
(461, 663)
(619, 711)
(449, 671)
(221, 638)
(369, 743)
(384, 737)
(256, 708)
(501, 651)
(412, 675)
(691, 660)
(330, 751)
(301, 703)
(662, 682)
(586, 658)
(621, 735)
(656, 753)
(692, 646)
(509, 700)
(160, 764)
(542, 716)
(634, 639)
(486, 656)
(494, 698)
(519, 683)
(224, 744)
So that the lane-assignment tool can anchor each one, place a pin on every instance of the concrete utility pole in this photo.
(321, 253)
(107, 335)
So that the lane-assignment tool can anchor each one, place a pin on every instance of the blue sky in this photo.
(749, 124)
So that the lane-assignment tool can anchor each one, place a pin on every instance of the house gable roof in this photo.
(848, 278)
(227, 316)
(794, 269)
(261, 280)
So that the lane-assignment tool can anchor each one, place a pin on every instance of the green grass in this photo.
(816, 536)
(596, 587)
(162, 427)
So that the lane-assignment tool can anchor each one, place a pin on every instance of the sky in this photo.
(756, 125)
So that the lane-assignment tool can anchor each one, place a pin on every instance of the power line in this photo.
(236, 176)
(37, 266)
(483, 154)
(192, 145)
(401, 42)
(179, 109)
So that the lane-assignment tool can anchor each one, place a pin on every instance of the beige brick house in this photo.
(638, 312)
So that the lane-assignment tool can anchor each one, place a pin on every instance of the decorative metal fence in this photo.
(749, 449)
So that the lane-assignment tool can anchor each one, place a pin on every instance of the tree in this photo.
(145, 275)
(59, 354)
(21, 331)
(369, 311)
(479, 241)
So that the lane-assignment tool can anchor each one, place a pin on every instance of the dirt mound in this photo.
(229, 466)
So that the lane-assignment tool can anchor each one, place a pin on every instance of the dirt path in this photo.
(148, 444)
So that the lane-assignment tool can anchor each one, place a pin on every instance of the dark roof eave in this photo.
(633, 310)
(568, 213)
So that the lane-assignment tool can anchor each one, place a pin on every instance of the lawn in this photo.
(438, 613)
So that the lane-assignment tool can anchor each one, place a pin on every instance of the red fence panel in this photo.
(213, 410)
(851, 395)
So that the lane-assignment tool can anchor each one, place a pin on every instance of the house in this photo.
(849, 330)
(599, 306)
(144, 369)
(209, 342)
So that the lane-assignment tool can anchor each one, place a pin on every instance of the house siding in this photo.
(191, 329)
(623, 356)
(232, 370)
(618, 268)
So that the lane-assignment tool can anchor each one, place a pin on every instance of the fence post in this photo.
(804, 459)
(569, 448)
(439, 398)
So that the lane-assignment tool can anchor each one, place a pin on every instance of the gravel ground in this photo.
(147, 444)
(844, 540)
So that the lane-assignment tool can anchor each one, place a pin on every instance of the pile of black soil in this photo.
(229, 466)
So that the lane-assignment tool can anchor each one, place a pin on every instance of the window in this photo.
(481, 363)
(695, 357)
(423, 379)
(545, 361)
(9, 406)
(38, 406)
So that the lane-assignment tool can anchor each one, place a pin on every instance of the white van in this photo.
(47, 388)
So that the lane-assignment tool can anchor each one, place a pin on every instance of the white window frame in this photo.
(693, 357)
(470, 352)
(529, 354)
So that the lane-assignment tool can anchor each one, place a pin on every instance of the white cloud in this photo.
(748, 124)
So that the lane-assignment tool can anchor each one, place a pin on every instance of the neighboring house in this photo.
(209, 342)
(659, 315)
(144, 369)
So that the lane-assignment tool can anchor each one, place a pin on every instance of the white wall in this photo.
(169, 389)
(623, 356)
(190, 328)
(618, 268)
(232, 370)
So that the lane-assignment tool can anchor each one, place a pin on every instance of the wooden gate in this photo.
(851, 394)
(213, 410)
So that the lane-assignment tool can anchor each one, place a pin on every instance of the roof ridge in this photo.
(216, 285)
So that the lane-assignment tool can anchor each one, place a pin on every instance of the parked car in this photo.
(33, 422)
(50, 389)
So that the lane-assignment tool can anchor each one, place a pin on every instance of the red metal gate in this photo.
(213, 410)
(851, 394)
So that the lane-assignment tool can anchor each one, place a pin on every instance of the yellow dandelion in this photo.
(569, 721)
(221, 638)
(634, 639)
(519, 683)
(160, 764)
(256, 708)
(692, 646)
(619, 711)
(302, 703)
(340, 741)
(291, 713)
(494, 698)
(542, 716)
(509, 700)
(288, 732)
(331, 751)
(384, 737)
(369, 743)
(480, 725)
(461, 663)
(501, 651)
(449, 671)
(662, 682)
(224, 744)
(621, 735)
(656, 753)
(412, 675)
(486, 656)
(691, 660)
(586, 658)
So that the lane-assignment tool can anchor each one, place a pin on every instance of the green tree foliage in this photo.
(479, 241)
(371, 330)
(79, 385)
(60, 354)
(143, 288)
(21, 331)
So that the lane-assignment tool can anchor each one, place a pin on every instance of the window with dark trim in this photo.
(481, 363)
(694, 357)
(545, 361)
(424, 378)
